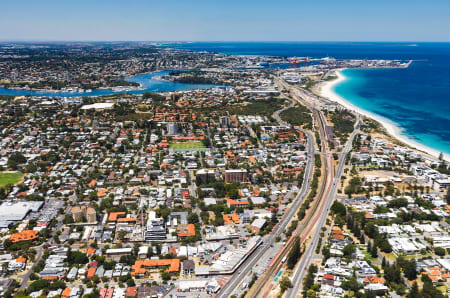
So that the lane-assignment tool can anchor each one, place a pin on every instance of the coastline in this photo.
(153, 76)
(326, 90)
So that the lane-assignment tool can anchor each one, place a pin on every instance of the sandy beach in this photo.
(326, 90)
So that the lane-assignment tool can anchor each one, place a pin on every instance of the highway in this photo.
(264, 283)
(239, 276)
(306, 259)
(325, 198)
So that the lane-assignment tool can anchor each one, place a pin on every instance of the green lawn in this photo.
(187, 145)
(10, 178)
(368, 256)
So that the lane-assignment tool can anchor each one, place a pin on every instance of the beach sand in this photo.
(326, 90)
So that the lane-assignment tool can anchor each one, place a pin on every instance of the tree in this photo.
(121, 234)
(392, 274)
(326, 253)
(362, 239)
(428, 289)
(76, 257)
(349, 250)
(410, 269)
(285, 283)
(165, 275)
(447, 196)
(57, 284)
(193, 218)
(398, 203)
(38, 285)
(130, 282)
(311, 293)
(439, 251)
(15, 159)
(351, 284)
(294, 254)
(374, 252)
(414, 293)
(308, 282)
(338, 208)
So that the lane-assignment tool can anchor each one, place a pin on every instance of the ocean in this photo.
(416, 99)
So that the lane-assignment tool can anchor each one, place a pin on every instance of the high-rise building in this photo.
(236, 176)
(172, 129)
(77, 213)
(224, 121)
(91, 215)
(155, 229)
(206, 176)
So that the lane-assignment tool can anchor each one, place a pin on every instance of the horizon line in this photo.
(219, 41)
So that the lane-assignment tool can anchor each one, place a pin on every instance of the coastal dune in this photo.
(326, 90)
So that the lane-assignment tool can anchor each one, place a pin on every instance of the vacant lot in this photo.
(187, 145)
(10, 178)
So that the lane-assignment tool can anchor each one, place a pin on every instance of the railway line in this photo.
(247, 266)
(265, 282)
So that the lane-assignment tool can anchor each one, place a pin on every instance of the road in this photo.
(325, 198)
(264, 283)
(307, 257)
(276, 115)
(40, 248)
(238, 277)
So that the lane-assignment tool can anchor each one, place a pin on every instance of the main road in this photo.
(324, 204)
(264, 283)
(238, 277)
(306, 259)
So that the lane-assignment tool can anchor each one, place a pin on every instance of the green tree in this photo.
(38, 285)
(410, 269)
(414, 293)
(374, 252)
(447, 196)
(15, 159)
(428, 289)
(338, 208)
(308, 282)
(294, 254)
(193, 218)
(349, 250)
(285, 283)
(76, 257)
(165, 275)
(439, 251)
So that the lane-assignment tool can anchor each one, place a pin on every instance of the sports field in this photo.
(10, 178)
(187, 145)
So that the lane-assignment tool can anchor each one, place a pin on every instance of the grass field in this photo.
(10, 178)
(187, 145)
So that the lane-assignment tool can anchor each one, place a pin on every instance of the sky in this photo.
(225, 20)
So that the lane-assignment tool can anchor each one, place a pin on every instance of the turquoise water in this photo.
(416, 99)
(147, 80)
(416, 103)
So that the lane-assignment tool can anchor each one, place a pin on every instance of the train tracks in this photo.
(265, 282)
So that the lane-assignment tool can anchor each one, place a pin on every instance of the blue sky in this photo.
(226, 20)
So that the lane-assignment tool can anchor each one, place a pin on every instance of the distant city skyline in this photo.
(201, 20)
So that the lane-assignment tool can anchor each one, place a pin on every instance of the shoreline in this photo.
(326, 90)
